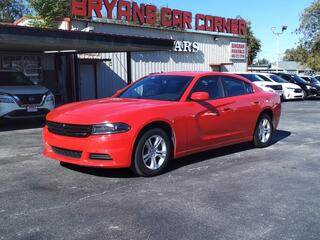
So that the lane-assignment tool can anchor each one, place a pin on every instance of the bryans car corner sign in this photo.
(145, 14)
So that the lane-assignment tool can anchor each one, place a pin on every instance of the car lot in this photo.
(231, 193)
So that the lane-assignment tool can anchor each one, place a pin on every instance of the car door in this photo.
(215, 121)
(244, 107)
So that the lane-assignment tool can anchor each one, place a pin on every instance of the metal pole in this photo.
(278, 52)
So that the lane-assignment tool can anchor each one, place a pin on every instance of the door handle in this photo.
(226, 109)
(256, 102)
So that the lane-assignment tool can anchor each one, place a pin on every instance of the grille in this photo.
(69, 130)
(67, 153)
(298, 90)
(275, 87)
(25, 113)
(30, 99)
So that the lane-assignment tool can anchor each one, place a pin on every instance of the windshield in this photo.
(299, 79)
(277, 79)
(167, 88)
(314, 80)
(14, 79)
(252, 77)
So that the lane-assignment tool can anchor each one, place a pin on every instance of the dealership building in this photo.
(88, 59)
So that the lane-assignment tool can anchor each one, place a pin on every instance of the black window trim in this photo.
(222, 86)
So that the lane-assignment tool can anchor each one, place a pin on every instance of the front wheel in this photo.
(264, 132)
(305, 95)
(152, 153)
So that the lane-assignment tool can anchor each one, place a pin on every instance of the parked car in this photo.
(290, 90)
(311, 80)
(260, 82)
(159, 118)
(308, 89)
(20, 98)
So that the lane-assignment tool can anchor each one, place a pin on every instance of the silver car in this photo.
(21, 98)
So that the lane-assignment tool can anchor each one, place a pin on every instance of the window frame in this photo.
(220, 79)
(243, 83)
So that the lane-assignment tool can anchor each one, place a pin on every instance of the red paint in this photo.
(166, 17)
(124, 10)
(96, 7)
(196, 127)
(200, 24)
(138, 13)
(151, 14)
(147, 14)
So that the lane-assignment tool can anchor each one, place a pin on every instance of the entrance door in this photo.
(88, 81)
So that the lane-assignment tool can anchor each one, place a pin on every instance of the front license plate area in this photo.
(32, 109)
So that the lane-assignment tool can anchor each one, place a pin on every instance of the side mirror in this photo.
(200, 96)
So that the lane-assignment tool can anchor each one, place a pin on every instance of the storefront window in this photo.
(30, 65)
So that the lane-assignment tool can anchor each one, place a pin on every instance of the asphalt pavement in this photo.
(232, 193)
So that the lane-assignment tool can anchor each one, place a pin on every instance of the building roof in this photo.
(291, 66)
(29, 39)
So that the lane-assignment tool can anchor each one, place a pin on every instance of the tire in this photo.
(264, 131)
(305, 95)
(152, 153)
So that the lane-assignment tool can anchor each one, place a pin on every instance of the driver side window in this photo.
(212, 85)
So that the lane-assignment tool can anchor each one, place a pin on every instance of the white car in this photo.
(260, 82)
(290, 90)
(20, 98)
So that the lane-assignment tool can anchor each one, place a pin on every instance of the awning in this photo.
(29, 39)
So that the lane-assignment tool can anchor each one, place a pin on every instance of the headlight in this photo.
(6, 99)
(310, 87)
(110, 128)
(50, 98)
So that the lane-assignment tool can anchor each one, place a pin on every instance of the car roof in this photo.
(193, 74)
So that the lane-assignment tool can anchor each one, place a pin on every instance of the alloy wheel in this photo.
(265, 130)
(154, 152)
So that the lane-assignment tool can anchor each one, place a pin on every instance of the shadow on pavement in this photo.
(179, 163)
(100, 172)
(225, 151)
(13, 125)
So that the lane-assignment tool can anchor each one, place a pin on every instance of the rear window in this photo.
(14, 79)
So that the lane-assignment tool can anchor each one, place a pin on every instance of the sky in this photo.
(263, 15)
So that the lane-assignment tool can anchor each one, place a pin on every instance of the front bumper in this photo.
(14, 111)
(290, 95)
(117, 146)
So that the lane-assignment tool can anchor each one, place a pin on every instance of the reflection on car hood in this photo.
(291, 85)
(263, 84)
(13, 90)
(98, 111)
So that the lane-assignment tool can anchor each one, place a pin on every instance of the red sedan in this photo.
(162, 117)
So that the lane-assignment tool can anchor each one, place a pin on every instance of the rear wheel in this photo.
(264, 132)
(152, 153)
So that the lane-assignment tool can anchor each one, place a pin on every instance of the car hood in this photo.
(291, 85)
(103, 110)
(13, 90)
(263, 84)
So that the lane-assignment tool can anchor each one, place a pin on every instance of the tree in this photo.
(11, 10)
(308, 52)
(310, 24)
(46, 11)
(254, 44)
(263, 62)
(298, 54)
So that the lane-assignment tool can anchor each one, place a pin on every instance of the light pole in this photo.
(274, 30)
